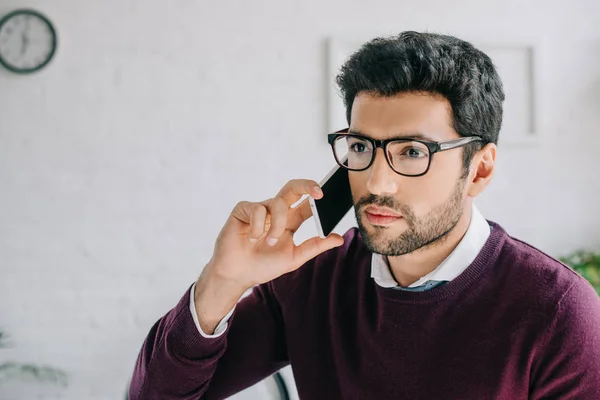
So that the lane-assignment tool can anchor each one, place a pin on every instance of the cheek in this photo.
(433, 189)
(440, 182)
(358, 185)
(447, 164)
(420, 195)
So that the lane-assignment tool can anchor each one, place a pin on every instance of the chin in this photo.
(377, 237)
(380, 244)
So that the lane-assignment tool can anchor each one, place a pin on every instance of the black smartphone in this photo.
(329, 210)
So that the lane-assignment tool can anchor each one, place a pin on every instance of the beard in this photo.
(422, 232)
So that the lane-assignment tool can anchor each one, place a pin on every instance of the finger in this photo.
(258, 217)
(298, 215)
(242, 211)
(296, 188)
(311, 248)
(278, 210)
(252, 217)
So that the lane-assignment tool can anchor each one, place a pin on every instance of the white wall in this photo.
(120, 162)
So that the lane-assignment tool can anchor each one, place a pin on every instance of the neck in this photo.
(408, 268)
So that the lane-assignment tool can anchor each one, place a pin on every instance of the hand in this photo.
(256, 244)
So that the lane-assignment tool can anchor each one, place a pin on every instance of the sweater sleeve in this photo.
(568, 365)
(221, 326)
(176, 362)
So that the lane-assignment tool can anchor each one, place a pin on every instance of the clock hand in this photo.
(24, 37)
(24, 43)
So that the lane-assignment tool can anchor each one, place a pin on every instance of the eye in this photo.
(414, 152)
(358, 148)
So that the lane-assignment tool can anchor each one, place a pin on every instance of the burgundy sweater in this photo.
(516, 324)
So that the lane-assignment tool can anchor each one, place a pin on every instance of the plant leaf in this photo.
(12, 370)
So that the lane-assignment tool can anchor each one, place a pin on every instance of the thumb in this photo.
(311, 248)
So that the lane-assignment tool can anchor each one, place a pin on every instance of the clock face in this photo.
(27, 41)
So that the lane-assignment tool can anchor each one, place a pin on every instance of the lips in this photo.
(381, 212)
(381, 216)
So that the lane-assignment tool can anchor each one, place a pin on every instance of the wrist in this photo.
(219, 286)
(214, 298)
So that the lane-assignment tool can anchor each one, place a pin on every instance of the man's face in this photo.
(428, 206)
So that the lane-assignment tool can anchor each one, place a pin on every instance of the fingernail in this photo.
(272, 241)
(317, 189)
(252, 240)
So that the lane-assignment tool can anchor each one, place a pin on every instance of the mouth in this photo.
(381, 216)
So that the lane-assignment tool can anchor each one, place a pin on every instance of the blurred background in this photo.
(122, 158)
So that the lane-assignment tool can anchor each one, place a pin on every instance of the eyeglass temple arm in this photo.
(450, 144)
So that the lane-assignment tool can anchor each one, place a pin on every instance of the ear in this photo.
(482, 169)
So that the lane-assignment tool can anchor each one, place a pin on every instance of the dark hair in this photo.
(433, 63)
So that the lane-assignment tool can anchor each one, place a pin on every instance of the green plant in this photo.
(587, 264)
(11, 370)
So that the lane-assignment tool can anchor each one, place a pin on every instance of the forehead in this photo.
(404, 114)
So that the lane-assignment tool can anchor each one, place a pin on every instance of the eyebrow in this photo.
(410, 135)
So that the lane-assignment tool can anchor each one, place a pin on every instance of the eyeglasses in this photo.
(407, 157)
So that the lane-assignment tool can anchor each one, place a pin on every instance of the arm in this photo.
(254, 247)
(177, 362)
(569, 362)
(221, 327)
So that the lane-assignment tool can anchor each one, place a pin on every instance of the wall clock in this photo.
(27, 41)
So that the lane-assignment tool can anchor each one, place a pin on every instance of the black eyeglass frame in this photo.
(434, 147)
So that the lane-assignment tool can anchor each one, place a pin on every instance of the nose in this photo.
(382, 179)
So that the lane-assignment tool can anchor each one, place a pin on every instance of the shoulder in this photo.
(554, 313)
(538, 278)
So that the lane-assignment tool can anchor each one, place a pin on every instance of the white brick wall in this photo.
(120, 162)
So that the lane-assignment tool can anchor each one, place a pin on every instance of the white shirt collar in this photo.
(460, 258)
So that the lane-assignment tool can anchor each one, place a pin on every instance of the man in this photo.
(425, 300)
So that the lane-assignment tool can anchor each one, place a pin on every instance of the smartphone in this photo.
(329, 210)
